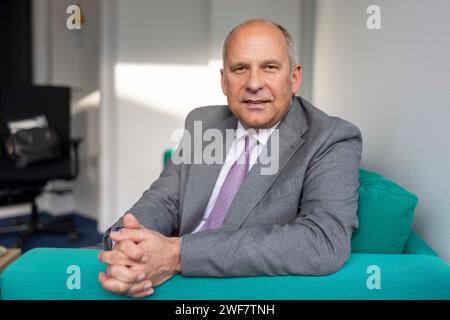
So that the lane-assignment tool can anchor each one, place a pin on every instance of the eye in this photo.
(239, 69)
(271, 67)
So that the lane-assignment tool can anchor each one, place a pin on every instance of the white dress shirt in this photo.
(236, 149)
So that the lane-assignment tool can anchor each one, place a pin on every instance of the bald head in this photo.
(263, 23)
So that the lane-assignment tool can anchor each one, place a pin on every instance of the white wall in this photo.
(393, 83)
(165, 57)
(75, 63)
(153, 40)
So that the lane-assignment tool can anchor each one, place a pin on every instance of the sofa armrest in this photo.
(49, 274)
(416, 245)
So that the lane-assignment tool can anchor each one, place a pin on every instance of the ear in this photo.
(223, 81)
(296, 78)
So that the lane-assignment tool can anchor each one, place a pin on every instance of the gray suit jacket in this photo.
(298, 221)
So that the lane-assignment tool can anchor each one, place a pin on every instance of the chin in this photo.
(256, 122)
(256, 119)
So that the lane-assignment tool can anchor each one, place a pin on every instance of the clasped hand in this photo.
(140, 260)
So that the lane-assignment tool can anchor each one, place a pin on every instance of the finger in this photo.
(143, 294)
(115, 257)
(125, 274)
(161, 279)
(130, 221)
(132, 250)
(135, 235)
(112, 284)
(139, 288)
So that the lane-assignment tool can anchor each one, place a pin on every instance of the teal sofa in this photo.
(418, 273)
(388, 261)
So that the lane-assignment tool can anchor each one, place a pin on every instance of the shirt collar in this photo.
(261, 136)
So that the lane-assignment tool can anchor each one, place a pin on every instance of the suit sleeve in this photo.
(316, 242)
(158, 207)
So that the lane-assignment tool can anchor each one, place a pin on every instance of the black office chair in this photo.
(19, 186)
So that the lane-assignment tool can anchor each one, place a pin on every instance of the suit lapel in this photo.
(256, 185)
(201, 180)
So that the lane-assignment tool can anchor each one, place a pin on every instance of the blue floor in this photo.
(87, 228)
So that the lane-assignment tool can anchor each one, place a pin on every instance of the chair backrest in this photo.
(23, 102)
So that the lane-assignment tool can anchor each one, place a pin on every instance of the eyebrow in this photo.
(263, 63)
(238, 64)
(276, 62)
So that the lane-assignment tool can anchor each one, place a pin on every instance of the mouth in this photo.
(255, 103)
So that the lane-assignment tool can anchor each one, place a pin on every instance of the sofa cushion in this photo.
(385, 212)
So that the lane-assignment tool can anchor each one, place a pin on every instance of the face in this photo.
(256, 77)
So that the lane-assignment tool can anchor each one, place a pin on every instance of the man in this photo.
(234, 220)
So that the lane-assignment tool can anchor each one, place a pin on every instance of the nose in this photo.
(254, 81)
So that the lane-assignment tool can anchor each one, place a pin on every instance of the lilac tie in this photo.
(230, 186)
